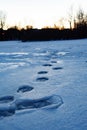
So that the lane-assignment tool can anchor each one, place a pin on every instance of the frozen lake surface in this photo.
(43, 85)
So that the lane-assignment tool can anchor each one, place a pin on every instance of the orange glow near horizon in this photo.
(39, 13)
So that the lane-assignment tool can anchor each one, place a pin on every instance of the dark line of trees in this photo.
(79, 30)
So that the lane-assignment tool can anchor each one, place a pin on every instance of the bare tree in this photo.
(80, 16)
(81, 19)
(70, 17)
(2, 19)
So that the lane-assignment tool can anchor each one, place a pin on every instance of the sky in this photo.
(39, 13)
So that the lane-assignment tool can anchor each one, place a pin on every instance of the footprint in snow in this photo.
(47, 65)
(42, 79)
(57, 68)
(42, 72)
(24, 88)
(47, 102)
(53, 61)
(6, 99)
(7, 110)
(26, 104)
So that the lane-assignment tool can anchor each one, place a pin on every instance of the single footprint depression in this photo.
(42, 72)
(47, 65)
(42, 79)
(6, 99)
(53, 101)
(57, 68)
(47, 102)
(24, 88)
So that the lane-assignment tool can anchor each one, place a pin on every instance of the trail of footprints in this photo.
(43, 72)
(9, 105)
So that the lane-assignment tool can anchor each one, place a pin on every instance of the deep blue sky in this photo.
(39, 13)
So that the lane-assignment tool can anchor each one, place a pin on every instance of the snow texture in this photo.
(43, 85)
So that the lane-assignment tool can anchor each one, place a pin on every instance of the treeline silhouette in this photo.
(42, 34)
(78, 31)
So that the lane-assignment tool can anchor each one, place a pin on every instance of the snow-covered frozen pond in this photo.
(43, 85)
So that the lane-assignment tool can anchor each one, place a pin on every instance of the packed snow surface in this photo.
(43, 85)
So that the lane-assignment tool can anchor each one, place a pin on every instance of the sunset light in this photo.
(39, 13)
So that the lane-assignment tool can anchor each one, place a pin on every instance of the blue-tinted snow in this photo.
(65, 89)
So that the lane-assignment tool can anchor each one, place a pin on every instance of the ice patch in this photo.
(39, 54)
(62, 53)
(11, 65)
(60, 61)
(14, 53)
(44, 53)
